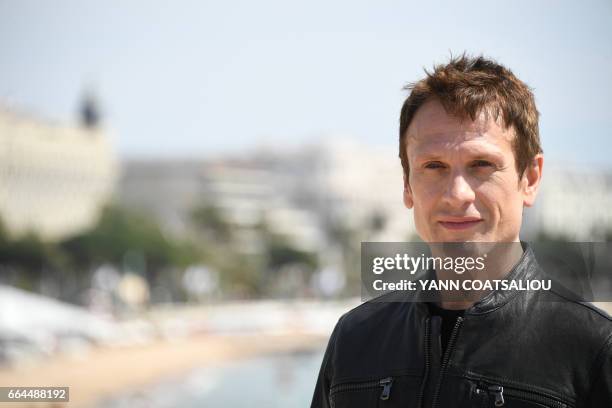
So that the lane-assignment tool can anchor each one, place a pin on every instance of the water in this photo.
(281, 380)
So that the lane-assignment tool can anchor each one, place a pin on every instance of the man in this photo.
(470, 150)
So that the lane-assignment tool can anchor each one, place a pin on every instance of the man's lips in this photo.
(460, 223)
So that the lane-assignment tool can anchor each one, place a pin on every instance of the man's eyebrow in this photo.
(430, 153)
(433, 155)
(428, 156)
(487, 155)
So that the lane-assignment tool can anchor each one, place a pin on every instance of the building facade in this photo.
(54, 178)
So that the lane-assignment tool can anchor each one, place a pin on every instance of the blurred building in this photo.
(246, 191)
(53, 178)
(358, 186)
(572, 203)
(296, 192)
(167, 189)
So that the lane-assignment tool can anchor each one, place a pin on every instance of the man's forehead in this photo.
(477, 146)
(432, 127)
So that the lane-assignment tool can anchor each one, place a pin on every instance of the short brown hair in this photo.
(466, 86)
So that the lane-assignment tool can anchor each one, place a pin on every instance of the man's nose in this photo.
(459, 191)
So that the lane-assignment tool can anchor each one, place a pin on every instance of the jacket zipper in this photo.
(446, 359)
(427, 363)
(498, 392)
(385, 383)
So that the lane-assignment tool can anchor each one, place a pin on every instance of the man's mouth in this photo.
(460, 223)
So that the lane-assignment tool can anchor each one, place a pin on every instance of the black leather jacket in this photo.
(511, 349)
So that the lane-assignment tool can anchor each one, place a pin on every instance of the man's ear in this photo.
(531, 180)
(408, 201)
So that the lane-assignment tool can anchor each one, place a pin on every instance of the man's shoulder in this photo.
(584, 320)
(368, 337)
(575, 307)
(384, 311)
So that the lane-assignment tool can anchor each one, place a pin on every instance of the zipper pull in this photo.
(498, 392)
(386, 384)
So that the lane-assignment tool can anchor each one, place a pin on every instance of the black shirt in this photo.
(449, 318)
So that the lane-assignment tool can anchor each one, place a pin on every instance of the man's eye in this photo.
(482, 163)
(434, 165)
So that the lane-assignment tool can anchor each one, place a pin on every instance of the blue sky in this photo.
(198, 78)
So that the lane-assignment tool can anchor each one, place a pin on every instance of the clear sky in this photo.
(193, 77)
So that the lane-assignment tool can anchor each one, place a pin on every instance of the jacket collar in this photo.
(526, 268)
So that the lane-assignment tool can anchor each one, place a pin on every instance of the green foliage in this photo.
(245, 272)
(119, 231)
(209, 220)
(132, 240)
(119, 237)
(29, 254)
(281, 253)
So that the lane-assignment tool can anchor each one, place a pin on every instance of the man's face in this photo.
(463, 183)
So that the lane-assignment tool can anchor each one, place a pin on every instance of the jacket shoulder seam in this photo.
(363, 305)
(586, 305)
(607, 346)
